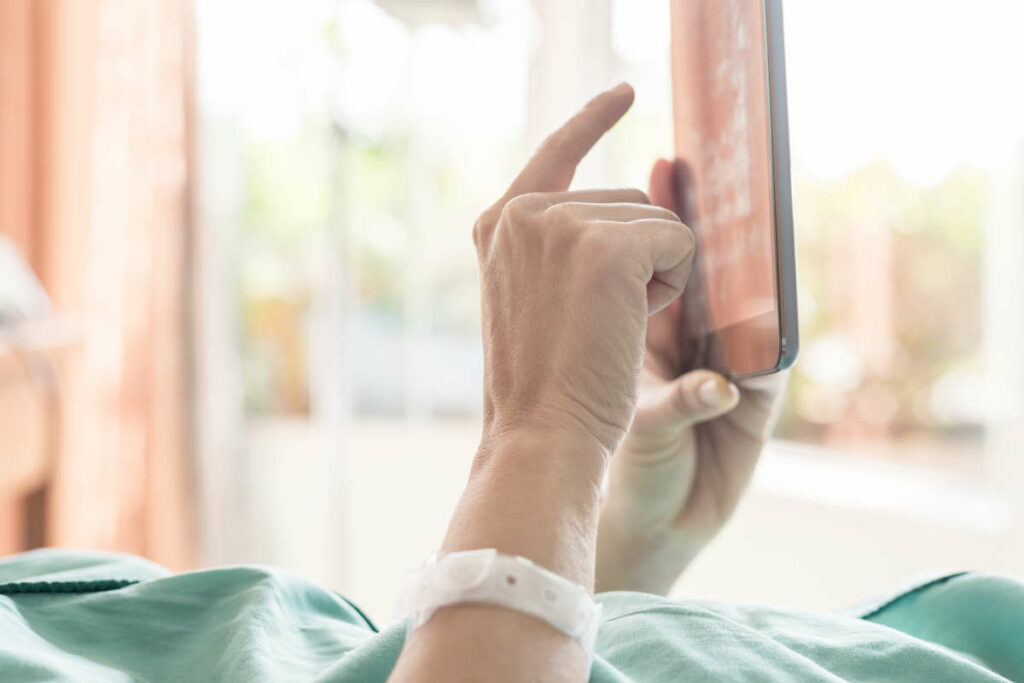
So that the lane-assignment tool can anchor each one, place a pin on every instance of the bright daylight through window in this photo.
(352, 144)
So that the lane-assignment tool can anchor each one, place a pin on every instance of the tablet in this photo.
(739, 313)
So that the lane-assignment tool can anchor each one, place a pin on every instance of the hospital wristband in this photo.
(488, 577)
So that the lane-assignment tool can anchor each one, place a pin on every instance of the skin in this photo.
(577, 302)
(688, 457)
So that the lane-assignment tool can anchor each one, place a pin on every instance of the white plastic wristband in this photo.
(485, 576)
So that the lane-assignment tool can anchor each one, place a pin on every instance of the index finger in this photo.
(554, 163)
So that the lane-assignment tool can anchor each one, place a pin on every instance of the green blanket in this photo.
(104, 617)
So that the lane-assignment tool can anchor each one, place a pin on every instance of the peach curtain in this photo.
(95, 137)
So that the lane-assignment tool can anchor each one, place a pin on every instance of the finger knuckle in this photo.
(558, 214)
(484, 226)
(680, 398)
(478, 230)
(517, 208)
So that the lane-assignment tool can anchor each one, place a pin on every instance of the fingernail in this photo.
(714, 392)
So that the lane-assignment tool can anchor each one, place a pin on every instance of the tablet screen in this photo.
(724, 175)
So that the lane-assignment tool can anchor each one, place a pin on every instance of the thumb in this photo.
(697, 396)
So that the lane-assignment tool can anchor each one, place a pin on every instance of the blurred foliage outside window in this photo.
(905, 357)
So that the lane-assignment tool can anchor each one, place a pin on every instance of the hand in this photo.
(687, 459)
(568, 280)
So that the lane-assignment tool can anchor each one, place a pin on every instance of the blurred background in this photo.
(254, 336)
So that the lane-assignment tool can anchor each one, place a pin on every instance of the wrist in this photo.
(572, 455)
(535, 494)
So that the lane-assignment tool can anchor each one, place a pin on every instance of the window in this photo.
(346, 148)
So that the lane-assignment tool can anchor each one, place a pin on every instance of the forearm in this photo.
(528, 495)
(555, 266)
